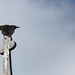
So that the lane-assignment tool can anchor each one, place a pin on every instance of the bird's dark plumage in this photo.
(8, 30)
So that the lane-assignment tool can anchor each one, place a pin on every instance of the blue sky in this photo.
(46, 39)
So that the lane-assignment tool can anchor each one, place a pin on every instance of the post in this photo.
(6, 63)
(11, 73)
(6, 48)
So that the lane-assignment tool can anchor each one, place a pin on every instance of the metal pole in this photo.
(6, 48)
(10, 63)
(6, 62)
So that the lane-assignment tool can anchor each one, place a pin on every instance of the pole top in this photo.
(11, 43)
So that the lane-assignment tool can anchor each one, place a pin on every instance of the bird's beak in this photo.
(17, 27)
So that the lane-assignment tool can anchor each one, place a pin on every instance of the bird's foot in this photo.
(5, 37)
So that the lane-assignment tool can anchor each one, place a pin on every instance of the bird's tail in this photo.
(0, 27)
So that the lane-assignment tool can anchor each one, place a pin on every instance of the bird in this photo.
(8, 30)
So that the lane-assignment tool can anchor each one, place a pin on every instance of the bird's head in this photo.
(13, 26)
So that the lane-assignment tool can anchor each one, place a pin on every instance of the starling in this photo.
(8, 30)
